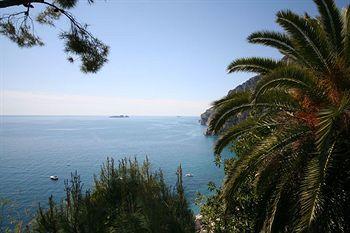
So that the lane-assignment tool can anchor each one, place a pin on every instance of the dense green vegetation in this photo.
(216, 218)
(125, 198)
(293, 148)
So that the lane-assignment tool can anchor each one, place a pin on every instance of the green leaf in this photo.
(234, 132)
(311, 188)
(227, 108)
(289, 77)
(249, 164)
(311, 45)
(280, 41)
(253, 64)
(346, 33)
(331, 22)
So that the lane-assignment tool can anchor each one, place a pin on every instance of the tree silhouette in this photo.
(79, 42)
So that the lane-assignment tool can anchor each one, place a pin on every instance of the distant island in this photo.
(119, 116)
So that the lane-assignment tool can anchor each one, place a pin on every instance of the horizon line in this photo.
(87, 115)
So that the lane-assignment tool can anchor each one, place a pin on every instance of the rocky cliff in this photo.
(205, 116)
(248, 85)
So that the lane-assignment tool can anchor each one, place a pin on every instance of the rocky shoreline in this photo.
(205, 117)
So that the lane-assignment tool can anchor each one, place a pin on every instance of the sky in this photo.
(166, 57)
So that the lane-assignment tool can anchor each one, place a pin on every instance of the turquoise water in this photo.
(33, 148)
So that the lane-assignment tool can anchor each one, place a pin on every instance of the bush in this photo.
(125, 198)
(237, 217)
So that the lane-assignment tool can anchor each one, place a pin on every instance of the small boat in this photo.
(54, 177)
(189, 175)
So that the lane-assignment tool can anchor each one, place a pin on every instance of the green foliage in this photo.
(23, 36)
(127, 197)
(215, 215)
(346, 33)
(254, 64)
(10, 218)
(67, 3)
(293, 147)
(93, 53)
(332, 23)
(3, 205)
(277, 40)
(48, 16)
(79, 42)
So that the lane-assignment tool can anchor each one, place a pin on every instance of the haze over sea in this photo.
(34, 147)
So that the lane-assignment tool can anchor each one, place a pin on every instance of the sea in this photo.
(32, 148)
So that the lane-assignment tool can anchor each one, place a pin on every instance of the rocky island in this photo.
(119, 116)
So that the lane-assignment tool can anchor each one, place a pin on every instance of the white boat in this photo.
(189, 175)
(54, 177)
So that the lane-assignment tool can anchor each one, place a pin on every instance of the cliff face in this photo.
(205, 116)
(247, 85)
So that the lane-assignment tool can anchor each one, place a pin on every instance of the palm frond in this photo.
(310, 44)
(311, 188)
(278, 179)
(250, 163)
(248, 125)
(288, 77)
(328, 118)
(253, 64)
(223, 114)
(232, 133)
(325, 126)
(228, 107)
(273, 207)
(331, 22)
(280, 98)
(309, 194)
(280, 41)
(232, 95)
(346, 33)
(288, 83)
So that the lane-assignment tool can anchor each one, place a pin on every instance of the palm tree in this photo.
(295, 141)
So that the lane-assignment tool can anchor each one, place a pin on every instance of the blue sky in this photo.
(167, 58)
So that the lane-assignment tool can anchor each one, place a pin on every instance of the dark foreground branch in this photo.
(9, 3)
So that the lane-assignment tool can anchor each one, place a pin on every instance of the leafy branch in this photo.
(78, 41)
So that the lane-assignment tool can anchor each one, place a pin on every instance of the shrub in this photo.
(125, 198)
